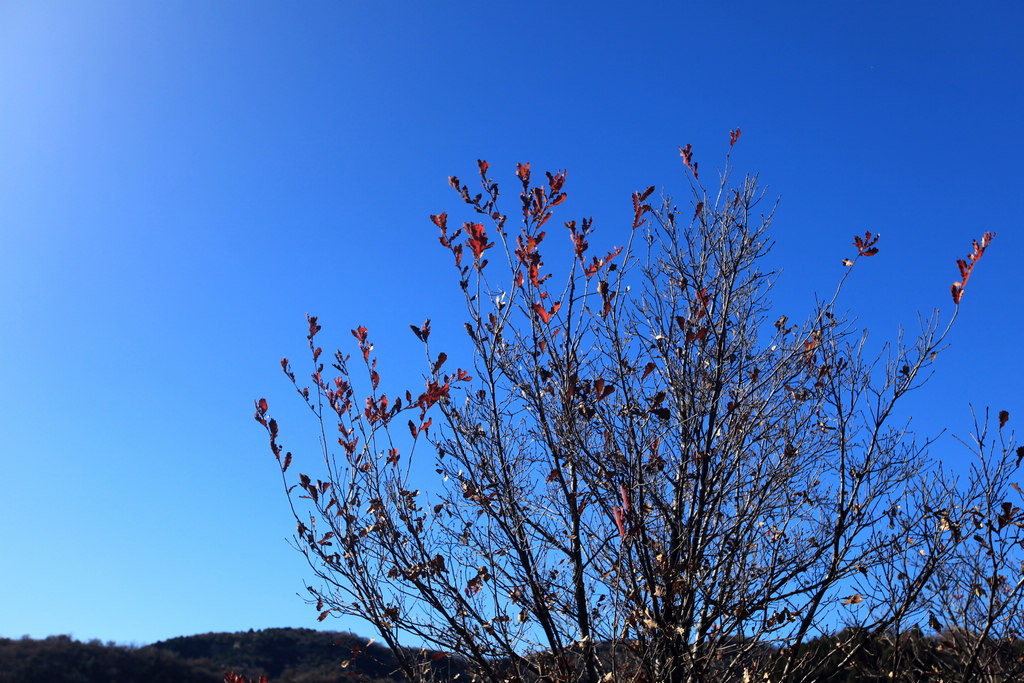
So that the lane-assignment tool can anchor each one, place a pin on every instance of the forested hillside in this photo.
(284, 655)
(287, 655)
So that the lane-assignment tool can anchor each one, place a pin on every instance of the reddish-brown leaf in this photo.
(477, 241)
(866, 246)
(687, 154)
(523, 172)
(441, 358)
(619, 523)
(1004, 415)
(965, 267)
(313, 327)
(545, 314)
(648, 369)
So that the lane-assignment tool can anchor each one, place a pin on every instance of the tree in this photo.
(644, 474)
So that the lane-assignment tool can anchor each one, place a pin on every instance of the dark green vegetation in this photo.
(287, 655)
(59, 659)
(284, 655)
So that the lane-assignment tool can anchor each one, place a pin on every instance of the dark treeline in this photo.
(289, 655)
(59, 659)
(284, 655)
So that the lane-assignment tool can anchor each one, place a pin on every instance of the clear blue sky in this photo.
(181, 182)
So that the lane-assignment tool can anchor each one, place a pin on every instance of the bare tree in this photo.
(645, 474)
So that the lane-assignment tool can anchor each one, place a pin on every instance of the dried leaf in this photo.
(648, 369)
(441, 358)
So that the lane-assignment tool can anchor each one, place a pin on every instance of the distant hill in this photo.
(59, 659)
(295, 655)
(285, 655)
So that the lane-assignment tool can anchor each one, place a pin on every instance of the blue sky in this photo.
(180, 183)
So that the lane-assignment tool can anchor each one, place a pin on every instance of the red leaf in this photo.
(543, 313)
(483, 167)
(866, 246)
(441, 358)
(965, 268)
(313, 327)
(555, 182)
(734, 135)
(477, 240)
(360, 334)
(687, 154)
(263, 405)
(1003, 417)
(523, 172)
(287, 461)
(648, 369)
(699, 335)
